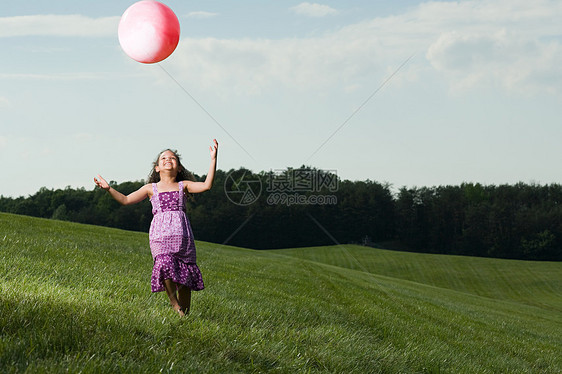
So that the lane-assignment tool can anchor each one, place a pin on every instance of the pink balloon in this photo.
(149, 31)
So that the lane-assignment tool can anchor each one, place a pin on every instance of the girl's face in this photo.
(167, 161)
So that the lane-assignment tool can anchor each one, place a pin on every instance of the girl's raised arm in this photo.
(196, 187)
(132, 198)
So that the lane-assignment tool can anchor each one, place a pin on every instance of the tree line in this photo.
(309, 207)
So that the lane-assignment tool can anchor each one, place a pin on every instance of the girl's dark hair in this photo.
(183, 173)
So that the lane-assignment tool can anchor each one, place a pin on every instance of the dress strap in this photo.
(155, 200)
(181, 196)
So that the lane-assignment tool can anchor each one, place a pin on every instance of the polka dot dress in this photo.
(170, 267)
(171, 242)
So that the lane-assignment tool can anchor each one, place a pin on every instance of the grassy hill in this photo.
(76, 298)
(528, 282)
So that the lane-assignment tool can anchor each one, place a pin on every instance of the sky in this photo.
(409, 93)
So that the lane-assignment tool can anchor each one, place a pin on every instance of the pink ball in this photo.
(149, 31)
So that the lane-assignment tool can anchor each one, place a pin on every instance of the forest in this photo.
(303, 207)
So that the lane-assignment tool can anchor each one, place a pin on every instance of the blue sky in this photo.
(478, 97)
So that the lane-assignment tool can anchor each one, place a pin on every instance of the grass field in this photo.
(76, 298)
(528, 282)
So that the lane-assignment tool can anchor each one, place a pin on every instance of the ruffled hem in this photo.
(170, 267)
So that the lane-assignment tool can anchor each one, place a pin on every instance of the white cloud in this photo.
(251, 66)
(501, 59)
(83, 76)
(313, 10)
(201, 14)
(83, 137)
(512, 44)
(4, 102)
(58, 25)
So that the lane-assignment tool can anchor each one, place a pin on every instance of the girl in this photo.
(171, 239)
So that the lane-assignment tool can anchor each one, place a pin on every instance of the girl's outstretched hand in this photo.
(214, 150)
(101, 183)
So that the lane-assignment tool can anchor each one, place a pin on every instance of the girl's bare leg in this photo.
(184, 298)
(170, 287)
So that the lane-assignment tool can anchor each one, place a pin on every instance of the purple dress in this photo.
(171, 242)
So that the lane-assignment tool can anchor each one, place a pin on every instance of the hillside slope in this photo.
(76, 298)
(529, 282)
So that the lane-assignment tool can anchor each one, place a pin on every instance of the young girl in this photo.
(171, 239)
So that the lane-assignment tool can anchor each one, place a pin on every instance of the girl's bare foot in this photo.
(180, 310)
(184, 298)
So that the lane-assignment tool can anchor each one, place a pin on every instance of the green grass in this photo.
(528, 282)
(76, 298)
